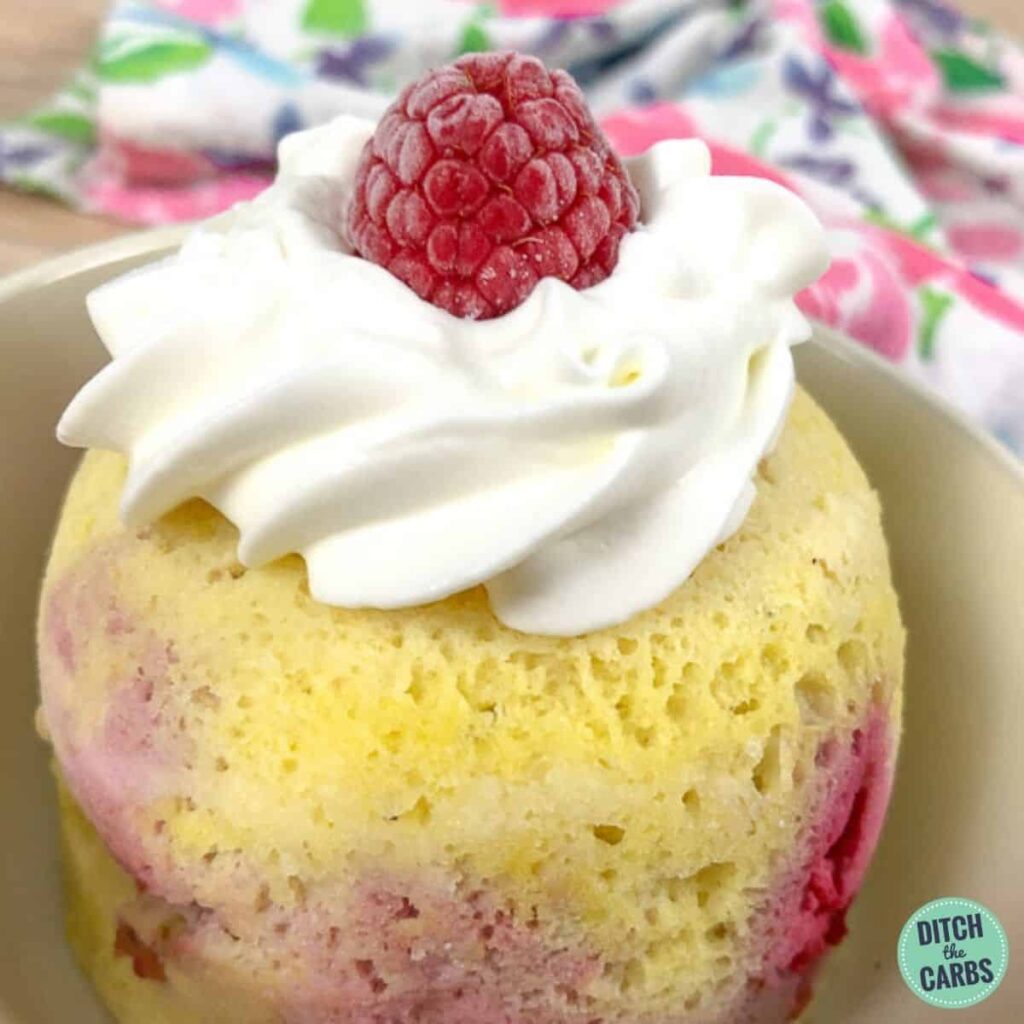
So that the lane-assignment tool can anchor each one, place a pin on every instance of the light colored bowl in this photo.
(954, 509)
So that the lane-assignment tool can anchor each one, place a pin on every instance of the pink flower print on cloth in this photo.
(863, 295)
(556, 8)
(981, 242)
(205, 12)
(897, 75)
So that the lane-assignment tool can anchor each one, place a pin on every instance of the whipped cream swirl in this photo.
(578, 456)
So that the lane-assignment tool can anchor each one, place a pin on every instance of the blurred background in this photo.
(42, 42)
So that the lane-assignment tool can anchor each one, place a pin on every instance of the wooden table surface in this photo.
(41, 41)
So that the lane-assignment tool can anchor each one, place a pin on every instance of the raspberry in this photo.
(485, 176)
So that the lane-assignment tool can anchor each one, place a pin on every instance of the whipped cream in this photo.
(578, 457)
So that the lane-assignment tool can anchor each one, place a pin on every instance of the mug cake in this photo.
(460, 615)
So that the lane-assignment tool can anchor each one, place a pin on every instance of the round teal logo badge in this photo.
(953, 953)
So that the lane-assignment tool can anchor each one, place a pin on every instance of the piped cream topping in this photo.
(578, 457)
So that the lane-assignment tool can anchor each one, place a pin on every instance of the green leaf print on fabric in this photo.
(919, 229)
(963, 74)
(934, 306)
(35, 186)
(842, 28)
(150, 61)
(84, 91)
(65, 124)
(335, 17)
(762, 136)
(475, 38)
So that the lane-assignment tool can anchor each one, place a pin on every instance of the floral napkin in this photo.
(900, 121)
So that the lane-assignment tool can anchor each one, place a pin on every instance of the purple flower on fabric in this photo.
(934, 15)
(612, 54)
(352, 63)
(816, 85)
(838, 172)
(239, 162)
(745, 42)
(558, 30)
(286, 120)
(832, 170)
(997, 186)
(642, 91)
(15, 157)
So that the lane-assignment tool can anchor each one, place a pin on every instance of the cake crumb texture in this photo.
(351, 815)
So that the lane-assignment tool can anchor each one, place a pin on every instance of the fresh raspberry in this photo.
(484, 177)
